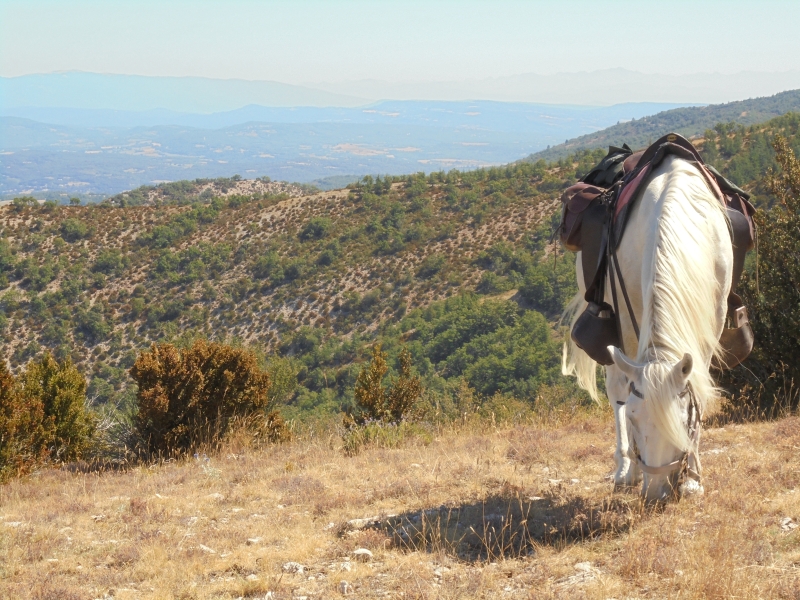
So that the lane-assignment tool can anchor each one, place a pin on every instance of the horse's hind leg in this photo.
(627, 474)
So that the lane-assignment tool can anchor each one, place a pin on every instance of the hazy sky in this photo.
(335, 40)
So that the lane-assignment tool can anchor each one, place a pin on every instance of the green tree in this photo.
(774, 298)
(390, 404)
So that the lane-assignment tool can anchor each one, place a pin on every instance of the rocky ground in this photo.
(477, 510)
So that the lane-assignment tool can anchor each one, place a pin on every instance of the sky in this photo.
(307, 41)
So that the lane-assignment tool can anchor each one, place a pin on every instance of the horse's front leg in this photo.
(627, 474)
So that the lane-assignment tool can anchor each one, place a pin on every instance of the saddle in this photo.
(593, 220)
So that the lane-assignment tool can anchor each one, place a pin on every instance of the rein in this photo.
(687, 464)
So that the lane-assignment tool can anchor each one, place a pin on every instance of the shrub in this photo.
(73, 230)
(268, 266)
(388, 405)
(548, 287)
(189, 398)
(21, 433)
(316, 228)
(67, 427)
(492, 283)
(92, 324)
(109, 261)
(773, 299)
(24, 202)
(431, 265)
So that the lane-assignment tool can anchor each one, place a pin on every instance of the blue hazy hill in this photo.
(67, 150)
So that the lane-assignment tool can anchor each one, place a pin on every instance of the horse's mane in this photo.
(680, 297)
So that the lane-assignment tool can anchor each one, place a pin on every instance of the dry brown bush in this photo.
(189, 398)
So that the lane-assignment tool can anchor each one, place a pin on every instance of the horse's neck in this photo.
(639, 250)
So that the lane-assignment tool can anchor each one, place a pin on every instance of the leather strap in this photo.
(625, 293)
(687, 463)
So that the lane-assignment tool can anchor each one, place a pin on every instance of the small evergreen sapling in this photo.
(387, 405)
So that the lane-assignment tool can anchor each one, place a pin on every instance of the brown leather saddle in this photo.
(594, 216)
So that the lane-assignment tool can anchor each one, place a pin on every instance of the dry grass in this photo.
(515, 511)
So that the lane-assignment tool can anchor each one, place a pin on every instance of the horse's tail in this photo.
(574, 361)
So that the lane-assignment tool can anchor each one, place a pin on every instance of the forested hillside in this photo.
(689, 122)
(309, 280)
(455, 266)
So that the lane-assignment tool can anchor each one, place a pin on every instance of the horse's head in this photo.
(663, 415)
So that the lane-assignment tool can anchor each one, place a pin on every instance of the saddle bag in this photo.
(574, 202)
(737, 338)
(579, 197)
(596, 330)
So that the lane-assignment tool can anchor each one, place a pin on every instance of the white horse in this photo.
(676, 261)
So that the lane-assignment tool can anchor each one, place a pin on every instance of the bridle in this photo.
(688, 464)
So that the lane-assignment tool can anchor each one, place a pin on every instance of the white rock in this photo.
(293, 567)
(252, 577)
(345, 566)
(206, 549)
(344, 588)
(573, 481)
(554, 481)
(362, 554)
(361, 523)
(13, 523)
(788, 524)
(583, 566)
(216, 496)
(415, 465)
(97, 518)
(253, 541)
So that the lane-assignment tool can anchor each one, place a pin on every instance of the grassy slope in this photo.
(690, 122)
(225, 528)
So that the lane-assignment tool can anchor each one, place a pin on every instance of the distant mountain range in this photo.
(95, 135)
(203, 95)
(610, 86)
(76, 89)
(689, 122)
(89, 152)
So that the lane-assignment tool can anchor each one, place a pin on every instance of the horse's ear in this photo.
(624, 364)
(682, 370)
